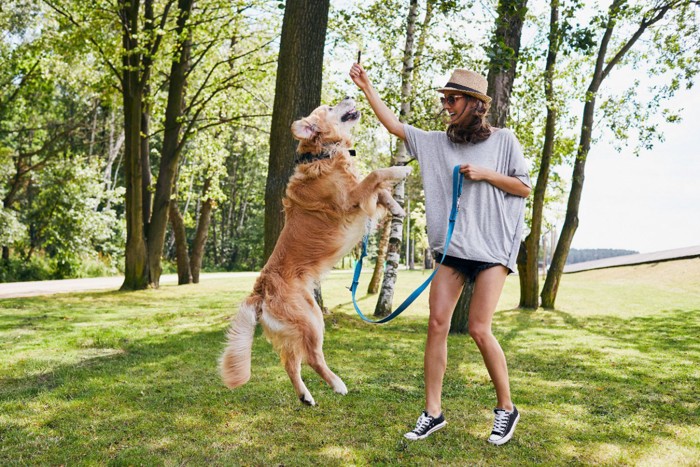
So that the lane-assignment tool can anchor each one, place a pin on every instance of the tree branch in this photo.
(92, 40)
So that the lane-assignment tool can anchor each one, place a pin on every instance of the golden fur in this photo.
(327, 208)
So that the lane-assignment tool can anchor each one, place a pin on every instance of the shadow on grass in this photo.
(606, 380)
(581, 383)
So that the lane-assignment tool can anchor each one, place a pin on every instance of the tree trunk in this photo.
(297, 93)
(170, 154)
(200, 238)
(386, 294)
(136, 266)
(181, 251)
(146, 175)
(381, 258)
(460, 318)
(528, 262)
(505, 50)
(504, 60)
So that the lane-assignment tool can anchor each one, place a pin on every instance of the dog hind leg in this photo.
(292, 364)
(313, 347)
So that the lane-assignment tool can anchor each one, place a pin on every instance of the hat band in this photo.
(462, 88)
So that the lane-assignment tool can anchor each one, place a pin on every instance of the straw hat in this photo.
(468, 82)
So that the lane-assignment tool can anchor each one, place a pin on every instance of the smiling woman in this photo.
(486, 237)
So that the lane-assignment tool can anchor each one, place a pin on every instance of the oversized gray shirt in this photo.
(490, 221)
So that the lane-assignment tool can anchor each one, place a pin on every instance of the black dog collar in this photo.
(308, 157)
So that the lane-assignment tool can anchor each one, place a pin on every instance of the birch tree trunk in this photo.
(373, 287)
(393, 256)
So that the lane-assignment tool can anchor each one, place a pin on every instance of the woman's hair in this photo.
(472, 127)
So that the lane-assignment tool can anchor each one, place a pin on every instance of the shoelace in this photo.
(501, 422)
(422, 423)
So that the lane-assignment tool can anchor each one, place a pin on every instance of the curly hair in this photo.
(472, 126)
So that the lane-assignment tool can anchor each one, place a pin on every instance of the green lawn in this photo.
(610, 378)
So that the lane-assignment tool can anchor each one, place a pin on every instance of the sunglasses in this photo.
(451, 99)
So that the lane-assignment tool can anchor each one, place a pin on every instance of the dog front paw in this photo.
(390, 203)
(397, 211)
(401, 172)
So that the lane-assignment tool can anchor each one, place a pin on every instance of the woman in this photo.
(486, 237)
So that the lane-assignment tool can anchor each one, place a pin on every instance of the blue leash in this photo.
(457, 180)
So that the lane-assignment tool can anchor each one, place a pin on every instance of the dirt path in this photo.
(29, 289)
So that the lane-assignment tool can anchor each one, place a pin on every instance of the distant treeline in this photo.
(590, 254)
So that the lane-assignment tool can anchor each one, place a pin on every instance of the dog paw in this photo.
(340, 387)
(404, 171)
(397, 211)
(307, 399)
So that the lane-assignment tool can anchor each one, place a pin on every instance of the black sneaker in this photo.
(425, 425)
(504, 426)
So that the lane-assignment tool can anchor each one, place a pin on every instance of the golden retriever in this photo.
(327, 209)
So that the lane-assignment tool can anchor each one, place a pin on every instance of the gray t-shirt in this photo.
(490, 221)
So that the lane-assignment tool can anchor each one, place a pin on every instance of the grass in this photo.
(610, 378)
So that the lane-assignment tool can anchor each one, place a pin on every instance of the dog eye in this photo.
(330, 108)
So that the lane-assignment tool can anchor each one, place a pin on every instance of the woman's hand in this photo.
(475, 173)
(383, 113)
(511, 185)
(359, 76)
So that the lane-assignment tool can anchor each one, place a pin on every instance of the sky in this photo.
(647, 203)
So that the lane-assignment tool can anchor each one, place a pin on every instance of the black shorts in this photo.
(467, 269)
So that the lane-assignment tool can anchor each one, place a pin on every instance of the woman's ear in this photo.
(304, 129)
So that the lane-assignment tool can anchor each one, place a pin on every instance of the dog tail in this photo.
(235, 362)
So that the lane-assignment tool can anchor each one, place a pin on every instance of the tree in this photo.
(630, 24)
(503, 57)
(503, 60)
(47, 101)
(386, 294)
(172, 143)
(137, 61)
(297, 94)
(528, 267)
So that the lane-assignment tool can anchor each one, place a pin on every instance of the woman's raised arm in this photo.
(383, 113)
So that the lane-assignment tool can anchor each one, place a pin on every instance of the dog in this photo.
(327, 208)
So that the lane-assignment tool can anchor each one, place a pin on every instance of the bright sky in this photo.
(646, 203)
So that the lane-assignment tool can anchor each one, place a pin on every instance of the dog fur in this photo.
(327, 208)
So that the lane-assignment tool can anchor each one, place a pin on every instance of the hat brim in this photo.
(478, 95)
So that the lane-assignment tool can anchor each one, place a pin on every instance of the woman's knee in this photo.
(439, 323)
(479, 333)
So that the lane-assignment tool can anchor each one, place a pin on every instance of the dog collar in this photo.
(308, 157)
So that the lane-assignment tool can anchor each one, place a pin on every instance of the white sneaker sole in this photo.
(412, 436)
(507, 437)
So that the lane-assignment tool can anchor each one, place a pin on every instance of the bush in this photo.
(17, 270)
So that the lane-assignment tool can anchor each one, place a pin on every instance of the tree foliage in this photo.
(64, 151)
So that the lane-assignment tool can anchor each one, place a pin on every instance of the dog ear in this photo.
(304, 129)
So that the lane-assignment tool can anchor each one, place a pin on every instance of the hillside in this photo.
(640, 289)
